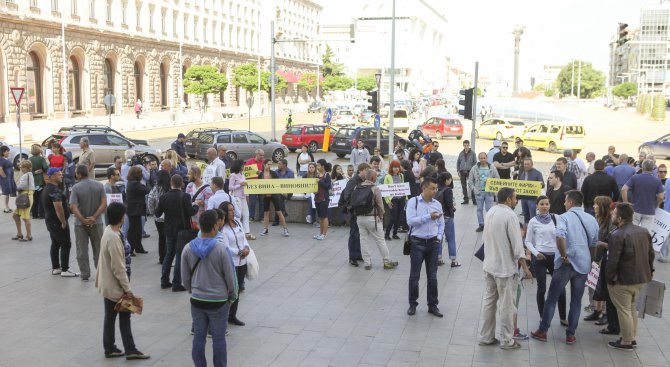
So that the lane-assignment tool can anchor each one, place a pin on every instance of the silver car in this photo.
(106, 146)
(239, 144)
(14, 153)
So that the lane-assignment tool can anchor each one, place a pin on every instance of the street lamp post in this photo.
(66, 102)
(378, 79)
(391, 102)
(272, 80)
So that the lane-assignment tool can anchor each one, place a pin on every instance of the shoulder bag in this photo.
(407, 245)
(22, 199)
(187, 234)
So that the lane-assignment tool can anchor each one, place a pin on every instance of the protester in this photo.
(214, 168)
(520, 154)
(26, 185)
(504, 161)
(395, 203)
(569, 179)
(209, 275)
(354, 243)
(113, 282)
(87, 156)
(377, 152)
(337, 173)
(303, 159)
(322, 198)
(359, 154)
(256, 160)
(180, 148)
(504, 254)
(161, 188)
(177, 207)
(630, 265)
(623, 171)
(611, 159)
(477, 177)
(495, 149)
(311, 212)
(434, 155)
(466, 159)
(273, 199)
(662, 173)
(178, 166)
(541, 241)
(415, 160)
(528, 202)
(87, 202)
(598, 184)
(283, 172)
(7, 184)
(424, 215)
(199, 191)
(576, 237)
(39, 166)
(648, 193)
(136, 194)
(375, 164)
(590, 159)
(56, 214)
(445, 196)
(556, 193)
(239, 250)
(220, 196)
(236, 187)
(56, 158)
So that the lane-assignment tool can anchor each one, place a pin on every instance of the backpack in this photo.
(152, 200)
(362, 200)
(68, 173)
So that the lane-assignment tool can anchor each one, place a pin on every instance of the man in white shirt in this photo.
(215, 167)
(220, 196)
(221, 162)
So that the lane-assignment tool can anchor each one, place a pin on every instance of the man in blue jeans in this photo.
(477, 177)
(424, 216)
(354, 242)
(528, 203)
(576, 238)
(209, 274)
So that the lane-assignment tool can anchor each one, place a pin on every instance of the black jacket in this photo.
(178, 210)
(135, 196)
(599, 184)
(447, 200)
(557, 199)
(345, 197)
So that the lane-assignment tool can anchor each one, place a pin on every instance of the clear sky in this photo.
(555, 31)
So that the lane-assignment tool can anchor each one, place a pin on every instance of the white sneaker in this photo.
(69, 274)
(321, 237)
(316, 236)
(286, 234)
(265, 232)
(308, 218)
(55, 272)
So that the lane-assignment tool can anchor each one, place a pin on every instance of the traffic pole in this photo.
(18, 123)
(474, 109)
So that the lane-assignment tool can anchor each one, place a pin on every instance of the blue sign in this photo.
(329, 115)
(377, 121)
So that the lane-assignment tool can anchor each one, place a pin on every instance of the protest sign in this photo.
(522, 187)
(114, 198)
(661, 229)
(592, 278)
(281, 186)
(338, 187)
(400, 189)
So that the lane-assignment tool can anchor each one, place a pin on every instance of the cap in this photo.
(181, 135)
(518, 140)
(52, 170)
(496, 143)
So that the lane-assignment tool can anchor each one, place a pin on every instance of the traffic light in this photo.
(372, 101)
(466, 102)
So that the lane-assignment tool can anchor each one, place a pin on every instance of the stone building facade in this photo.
(136, 49)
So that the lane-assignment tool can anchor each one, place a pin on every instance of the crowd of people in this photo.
(597, 210)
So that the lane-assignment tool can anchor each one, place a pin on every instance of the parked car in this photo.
(443, 127)
(192, 139)
(240, 144)
(315, 107)
(366, 117)
(555, 136)
(400, 119)
(343, 118)
(14, 153)
(99, 128)
(310, 134)
(500, 129)
(659, 147)
(347, 138)
(105, 145)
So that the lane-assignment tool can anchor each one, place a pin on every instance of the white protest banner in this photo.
(592, 278)
(400, 189)
(114, 198)
(661, 229)
(338, 187)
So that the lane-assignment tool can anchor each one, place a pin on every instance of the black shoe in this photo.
(387, 237)
(474, 202)
(275, 224)
(395, 237)
(594, 316)
(236, 321)
(618, 345)
(178, 288)
(602, 321)
(166, 285)
(465, 202)
(143, 251)
(411, 310)
(480, 229)
(360, 259)
(115, 353)
(353, 262)
(435, 311)
(146, 235)
(137, 355)
(403, 230)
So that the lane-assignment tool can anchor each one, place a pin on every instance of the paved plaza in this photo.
(309, 307)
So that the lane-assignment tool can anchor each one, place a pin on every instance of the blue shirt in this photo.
(569, 227)
(418, 217)
(178, 147)
(490, 154)
(609, 170)
(622, 173)
(287, 174)
(666, 204)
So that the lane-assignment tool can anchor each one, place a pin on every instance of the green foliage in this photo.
(366, 83)
(540, 87)
(307, 82)
(592, 83)
(331, 68)
(625, 90)
(644, 104)
(204, 79)
(658, 109)
(333, 82)
(549, 92)
(246, 77)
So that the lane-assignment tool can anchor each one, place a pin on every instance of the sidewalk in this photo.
(309, 307)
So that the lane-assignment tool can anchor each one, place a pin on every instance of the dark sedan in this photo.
(347, 138)
(659, 147)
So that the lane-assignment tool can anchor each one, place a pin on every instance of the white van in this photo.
(554, 136)
(400, 119)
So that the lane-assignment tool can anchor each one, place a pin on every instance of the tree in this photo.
(366, 83)
(280, 83)
(539, 87)
(625, 90)
(204, 79)
(333, 82)
(592, 82)
(331, 68)
(246, 77)
(307, 82)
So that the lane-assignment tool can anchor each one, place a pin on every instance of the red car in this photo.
(310, 134)
(442, 127)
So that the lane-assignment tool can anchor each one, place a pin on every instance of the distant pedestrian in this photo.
(209, 275)
(87, 157)
(360, 154)
(39, 167)
(7, 183)
(56, 214)
(466, 159)
(477, 177)
(179, 146)
(113, 282)
(138, 108)
(303, 160)
(26, 185)
(648, 192)
(88, 202)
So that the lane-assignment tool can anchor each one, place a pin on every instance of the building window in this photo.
(33, 4)
(91, 9)
(174, 23)
(54, 5)
(34, 83)
(73, 8)
(137, 74)
(163, 22)
(74, 85)
(124, 9)
(151, 19)
(165, 67)
(109, 10)
(185, 35)
(195, 28)
(108, 74)
(204, 30)
(138, 19)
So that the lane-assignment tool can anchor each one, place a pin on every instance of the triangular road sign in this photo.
(17, 93)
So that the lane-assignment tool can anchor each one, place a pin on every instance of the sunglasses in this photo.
(662, 171)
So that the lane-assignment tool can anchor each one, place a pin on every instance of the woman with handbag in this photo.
(7, 183)
(137, 208)
(268, 174)
(236, 187)
(113, 281)
(24, 200)
(40, 166)
(239, 249)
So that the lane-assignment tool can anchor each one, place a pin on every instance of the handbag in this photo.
(252, 265)
(130, 304)
(186, 235)
(22, 199)
(407, 245)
